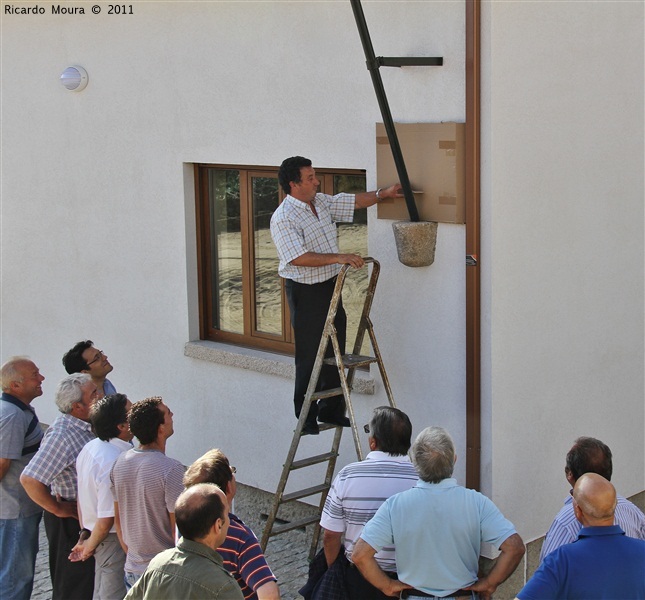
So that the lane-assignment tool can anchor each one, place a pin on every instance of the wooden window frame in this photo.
(283, 344)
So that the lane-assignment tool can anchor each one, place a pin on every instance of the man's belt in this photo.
(458, 594)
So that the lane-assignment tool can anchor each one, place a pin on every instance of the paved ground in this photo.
(286, 554)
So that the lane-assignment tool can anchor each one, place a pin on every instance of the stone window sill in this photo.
(261, 362)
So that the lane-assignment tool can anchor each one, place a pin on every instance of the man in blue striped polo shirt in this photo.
(589, 455)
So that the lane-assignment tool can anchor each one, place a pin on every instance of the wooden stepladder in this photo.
(347, 365)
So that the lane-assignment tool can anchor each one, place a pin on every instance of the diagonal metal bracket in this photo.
(373, 64)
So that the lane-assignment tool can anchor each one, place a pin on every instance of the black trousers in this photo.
(358, 588)
(309, 305)
(70, 580)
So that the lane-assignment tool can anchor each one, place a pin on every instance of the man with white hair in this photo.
(20, 436)
(437, 528)
(50, 480)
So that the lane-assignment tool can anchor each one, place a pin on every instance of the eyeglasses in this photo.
(366, 428)
(99, 356)
(233, 469)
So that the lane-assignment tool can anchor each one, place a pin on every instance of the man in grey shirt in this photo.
(20, 436)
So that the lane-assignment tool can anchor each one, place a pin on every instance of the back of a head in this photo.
(70, 391)
(212, 467)
(73, 360)
(596, 497)
(433, 454)
(589, 455)
(392, 430)
(145, 418)
(198, 508)
(107, 414)
(290, 171)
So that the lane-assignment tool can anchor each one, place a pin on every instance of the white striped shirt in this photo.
(565, 526)
(357, 493)
(296, 230)
(146, 484)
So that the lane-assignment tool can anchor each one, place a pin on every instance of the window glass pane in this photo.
(226, 250)
(352, 238)
(268, 296)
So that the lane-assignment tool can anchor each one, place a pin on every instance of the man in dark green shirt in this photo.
(192, 570)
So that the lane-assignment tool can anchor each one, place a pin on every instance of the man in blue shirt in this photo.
(603, 563)
(589, 455)
(437, 528)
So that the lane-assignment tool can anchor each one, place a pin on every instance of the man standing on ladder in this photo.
(303, 229)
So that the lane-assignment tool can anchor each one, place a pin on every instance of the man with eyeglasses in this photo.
(85, 358)
(242, 555)
(356, 494)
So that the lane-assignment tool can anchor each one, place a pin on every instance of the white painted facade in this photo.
(98, 223)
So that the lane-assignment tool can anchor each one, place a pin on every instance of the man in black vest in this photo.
(20, 436)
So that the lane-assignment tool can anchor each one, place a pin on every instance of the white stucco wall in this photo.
(563, 246)
(98, 208)
(98, 231)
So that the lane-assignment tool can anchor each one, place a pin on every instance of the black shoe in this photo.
(340, 421)
(310, 429)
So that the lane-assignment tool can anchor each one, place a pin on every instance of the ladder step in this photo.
(304, 493)
(313, 460)
(294, 525)
(352, 360)
(327, 393)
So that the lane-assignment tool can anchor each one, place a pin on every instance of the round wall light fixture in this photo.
(74, 78)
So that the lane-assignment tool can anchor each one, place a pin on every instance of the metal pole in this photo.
(373, 68)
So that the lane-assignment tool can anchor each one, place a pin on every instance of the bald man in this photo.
(602, 562)
(20, 436)
(193, 570)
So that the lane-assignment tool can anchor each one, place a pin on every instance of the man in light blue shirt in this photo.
(437, 528)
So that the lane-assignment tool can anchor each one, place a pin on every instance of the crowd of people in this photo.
(111, 508)
(128, 521)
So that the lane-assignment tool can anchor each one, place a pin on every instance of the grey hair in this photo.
(10, 373)
(69, 391)
(433, 454)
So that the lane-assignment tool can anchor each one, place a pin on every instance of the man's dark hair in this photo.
(589, 455)
(212, 467)
(290, 171)
(197, 509)
(73, 360)
(392, 430)
(107, 414)
(144, 419)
